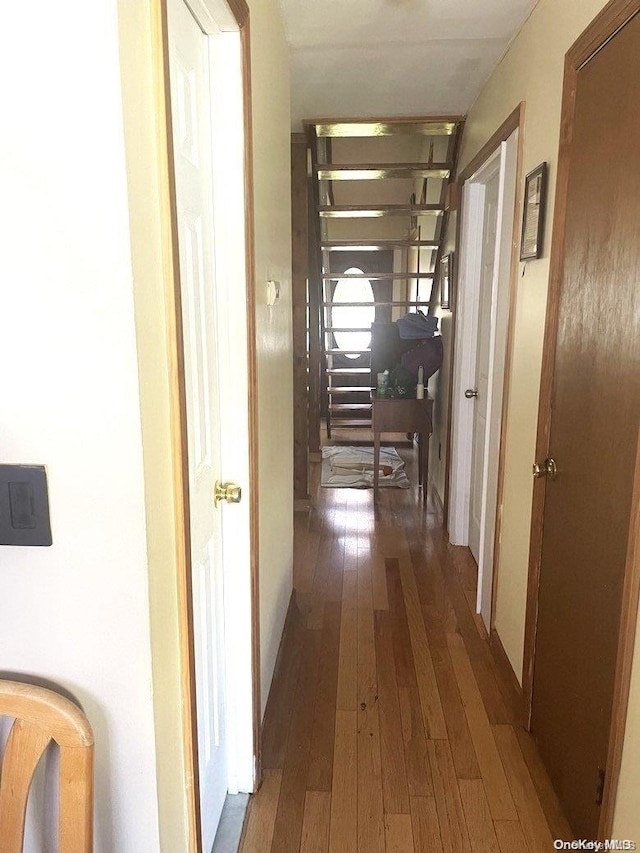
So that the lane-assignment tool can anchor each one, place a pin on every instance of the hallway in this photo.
(388, 726)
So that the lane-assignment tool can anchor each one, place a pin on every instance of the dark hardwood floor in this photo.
(389, 727)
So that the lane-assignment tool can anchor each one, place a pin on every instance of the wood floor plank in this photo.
(415, 742)
(402, 640)
(343, 825)
(476, 811)
(289, 817)
(426, 829)
(315, 826)
(394, 772)
(262, 814)
(379, 583)
(437, 612)
(324, 555)
(398, 833)
(347, 693)
(356, 516)
(300, 538)
(464, 756)
(321, 750)
(429, 573)
(310, 560)
(334, 556)
(315, 615)
(493, 773)
(462, 749)
(365, 580)
(433, 715)
(453, 826)
(510, 837)
(478, 650)
(534, 824)
(370, 797)
(279, 708)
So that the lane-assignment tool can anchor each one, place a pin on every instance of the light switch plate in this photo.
(24, 505)
(273, 292)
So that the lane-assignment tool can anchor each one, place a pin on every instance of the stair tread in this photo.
(366, 211)
(400, 304)
(390, 276)
(349, 407)
(429, 126)
(333, 329)
(381, 171)
(340, 351)
(343, 371)
(376, 245)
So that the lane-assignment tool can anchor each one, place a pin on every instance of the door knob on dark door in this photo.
(547, 469)
(470, 393)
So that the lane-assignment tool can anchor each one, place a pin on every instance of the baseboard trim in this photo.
(507, 675)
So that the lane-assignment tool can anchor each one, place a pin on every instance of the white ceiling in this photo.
(394, 57)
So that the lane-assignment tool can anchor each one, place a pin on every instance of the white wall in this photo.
(272, 180)
(76, 613)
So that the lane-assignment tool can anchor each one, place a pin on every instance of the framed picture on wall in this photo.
(446, 281)
(535, 192)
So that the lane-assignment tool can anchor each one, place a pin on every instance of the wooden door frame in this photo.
(610, 20)
(171, 269)
(299, 309)
(513, 122)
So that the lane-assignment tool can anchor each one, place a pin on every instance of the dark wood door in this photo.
(593, 434)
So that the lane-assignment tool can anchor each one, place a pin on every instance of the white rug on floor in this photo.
(352, 468)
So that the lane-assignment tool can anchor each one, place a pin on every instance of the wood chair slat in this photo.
(25, 746)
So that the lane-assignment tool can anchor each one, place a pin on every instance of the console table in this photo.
(406, 416)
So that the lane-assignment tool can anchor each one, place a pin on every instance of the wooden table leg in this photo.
(376, 464)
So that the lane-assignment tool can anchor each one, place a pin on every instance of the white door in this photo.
(190, 103)
(481, 387)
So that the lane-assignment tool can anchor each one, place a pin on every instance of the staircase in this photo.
(379, 197)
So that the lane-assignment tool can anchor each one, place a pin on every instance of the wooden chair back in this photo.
(42, 716)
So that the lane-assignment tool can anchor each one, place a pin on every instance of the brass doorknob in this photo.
(547, 469)
(470, 393)
(229, 492)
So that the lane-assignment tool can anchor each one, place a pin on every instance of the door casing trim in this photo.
(604, 26)
(513, 122)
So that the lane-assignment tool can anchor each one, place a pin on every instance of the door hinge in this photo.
(600, 787)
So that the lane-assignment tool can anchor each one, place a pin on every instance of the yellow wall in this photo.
(272, 177)
(146, 260)
(532, 71)
(627, 819)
